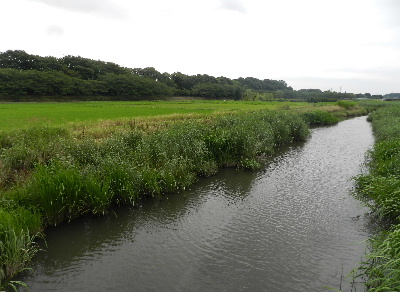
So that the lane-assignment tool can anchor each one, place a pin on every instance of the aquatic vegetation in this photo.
(346, 104)
(373, 104)
(56, 189)
(319, 117)
(380, 190)
(385, 123)
(381, 267)
(18, 229)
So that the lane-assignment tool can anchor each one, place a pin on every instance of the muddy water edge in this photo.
(291, 226)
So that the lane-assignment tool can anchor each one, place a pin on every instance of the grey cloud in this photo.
(234, 5)
(103, 7)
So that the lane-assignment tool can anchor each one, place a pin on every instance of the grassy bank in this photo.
(51, 174)
(380, 190)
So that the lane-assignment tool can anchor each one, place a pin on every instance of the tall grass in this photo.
(20, 151)
(381, 268)
(373, 104)
(346, 104)
(64, 178)
(18, 229)
(320, 118)
(380, 190)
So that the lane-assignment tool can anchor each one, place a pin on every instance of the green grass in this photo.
(320, 117)
(23, 115)
(20, 115)
(18, 229)
(346, 104)
(380, 190)
(373, 104)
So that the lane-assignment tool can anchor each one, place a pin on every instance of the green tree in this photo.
(18, 60)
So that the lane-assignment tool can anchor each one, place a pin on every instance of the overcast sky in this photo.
(343, 45)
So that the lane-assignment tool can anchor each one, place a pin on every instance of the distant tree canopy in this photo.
(266, 84)
(73, 66)
(23, 74)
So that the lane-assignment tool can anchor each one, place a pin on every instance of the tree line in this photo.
(23, 74)
(27, 75)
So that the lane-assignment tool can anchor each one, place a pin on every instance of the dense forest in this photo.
(24, 76)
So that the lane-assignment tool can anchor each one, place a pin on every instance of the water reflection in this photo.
(289, 227)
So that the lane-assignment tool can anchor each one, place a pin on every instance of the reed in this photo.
(346, 104)
(118, 181)
(22, 150)
(97, 194)
(18, 229)
(16, 250)
(380, 190)
(319, 118)
(381, 268)
(56, 189)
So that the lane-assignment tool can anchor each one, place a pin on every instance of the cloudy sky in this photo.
(339, 45)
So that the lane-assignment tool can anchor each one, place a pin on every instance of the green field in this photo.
(20, 115)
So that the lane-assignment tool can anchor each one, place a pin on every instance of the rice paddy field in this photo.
(23, 115)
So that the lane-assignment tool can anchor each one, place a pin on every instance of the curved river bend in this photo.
(290, 227)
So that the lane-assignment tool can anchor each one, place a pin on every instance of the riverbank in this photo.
(380, 190)
(50, 175)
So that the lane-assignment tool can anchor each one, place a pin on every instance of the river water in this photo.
(291, 226)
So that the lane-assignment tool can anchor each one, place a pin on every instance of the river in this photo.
(291, 226)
